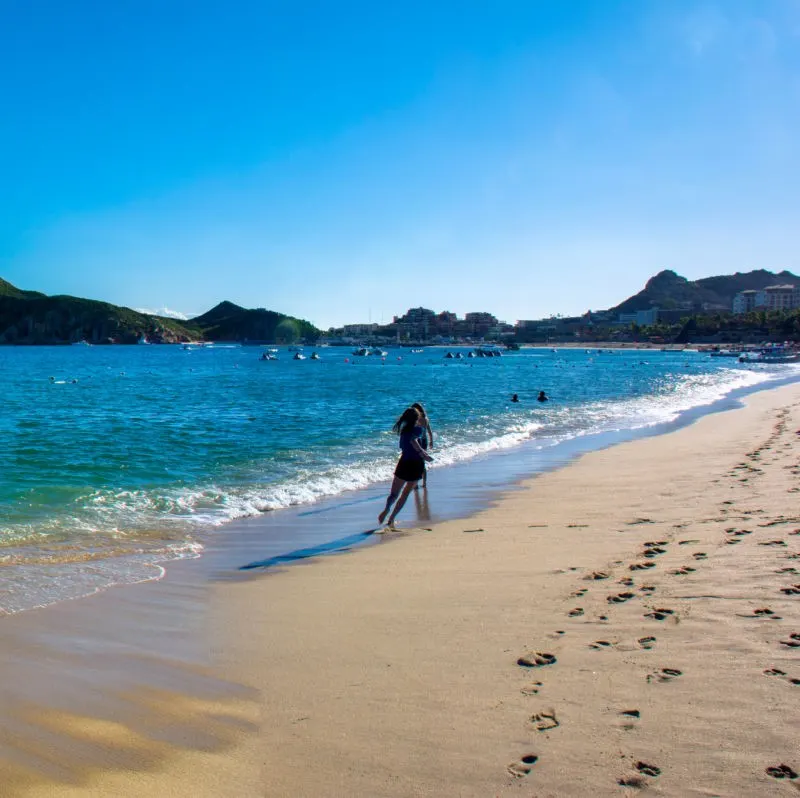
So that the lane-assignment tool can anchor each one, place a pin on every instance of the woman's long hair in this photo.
(421, 410)
(407, 421)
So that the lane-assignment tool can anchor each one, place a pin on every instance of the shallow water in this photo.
(128, 456)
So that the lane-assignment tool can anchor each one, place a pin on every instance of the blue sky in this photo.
(344, 161)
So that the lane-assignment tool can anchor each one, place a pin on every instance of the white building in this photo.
(773, 297)
(745, 301)
(778, 297)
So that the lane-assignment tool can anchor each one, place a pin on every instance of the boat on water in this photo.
(366, 351)
(417, 351)
(726, 353)
(776, 354)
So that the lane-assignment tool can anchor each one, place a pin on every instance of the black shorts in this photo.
(410, 469)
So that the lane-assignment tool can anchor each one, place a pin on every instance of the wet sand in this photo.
(628, 622)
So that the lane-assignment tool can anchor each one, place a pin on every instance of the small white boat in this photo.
(777, 355)
(727, 353)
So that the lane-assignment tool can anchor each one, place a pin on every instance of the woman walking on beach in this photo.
(411, 465)
(426, 440)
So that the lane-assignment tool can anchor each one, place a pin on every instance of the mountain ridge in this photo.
(669, 290)
(30, 317)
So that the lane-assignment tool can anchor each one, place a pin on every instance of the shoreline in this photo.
(301, 635)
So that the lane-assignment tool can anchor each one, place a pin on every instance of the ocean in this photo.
(118, 460)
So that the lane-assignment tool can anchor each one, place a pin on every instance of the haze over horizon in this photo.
(344, 163)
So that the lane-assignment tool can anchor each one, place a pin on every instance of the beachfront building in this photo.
(745, 301)
(773, 297)
(642, 318)
(778, 297)
(481, 325)
(418, 324)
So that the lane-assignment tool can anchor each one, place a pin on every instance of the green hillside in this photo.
(28, 317)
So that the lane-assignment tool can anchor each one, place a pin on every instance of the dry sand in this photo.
(628, 623)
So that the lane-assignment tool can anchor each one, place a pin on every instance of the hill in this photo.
(28, 317)
(668, 290)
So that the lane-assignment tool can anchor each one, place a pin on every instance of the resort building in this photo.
(773, 297)
(745, 301)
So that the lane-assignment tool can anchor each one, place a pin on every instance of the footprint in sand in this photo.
(648, 770)
(620, 598)
(773, 543)
(626, 580)
(792, 642)
(600, 644)
(532, 688)
(762, 612)
(578, 593)
(664, 675)
(597, 575)
(545, 721)
(523, 767)
(684, 570)
(653, 552)
(648, 588)
(641, 566)
(630, 713)
(792, 590)
(474, 530)
(700, 555)
(659, 614)
(641, 521)
(687, 542)
(536, 659)
(578, 611)
(646, 642)
(774, 672)
(788, 570)
(781, 772)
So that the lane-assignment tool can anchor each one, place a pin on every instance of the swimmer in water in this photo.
(542, 397)
(514, 398)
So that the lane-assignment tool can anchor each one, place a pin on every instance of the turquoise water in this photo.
(119, 459)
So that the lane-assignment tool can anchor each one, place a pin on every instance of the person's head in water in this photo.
(514, 398)
(407, 421)
(421, 410)
(542, 397)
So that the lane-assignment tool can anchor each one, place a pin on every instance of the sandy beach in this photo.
(629, 622)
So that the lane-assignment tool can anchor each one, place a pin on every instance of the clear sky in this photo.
(344, 161)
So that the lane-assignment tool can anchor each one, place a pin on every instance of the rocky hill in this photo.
(28, 317)
(668, 290)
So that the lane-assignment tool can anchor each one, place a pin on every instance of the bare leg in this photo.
(409, 486)
(394, 492)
